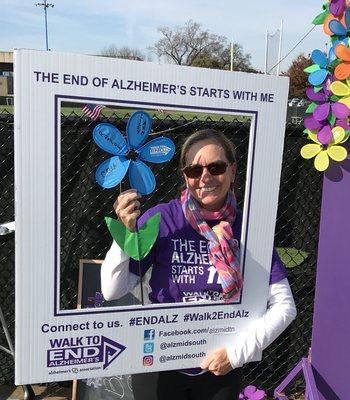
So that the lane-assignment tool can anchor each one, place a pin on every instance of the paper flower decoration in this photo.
(328, 125)
(337, 7)
(342, 27)
(322, 130)
(326, 112)
(327, 18)
(337, 25)
(325, 115)
(342, 90)
(322, 153)
(252, 393)
(342, 71)
(324, 106)
(331, 55)
(320, 93)
(318, 71)
(129, 155)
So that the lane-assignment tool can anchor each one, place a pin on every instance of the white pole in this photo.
(266, 51)
(231, 66)
(279, 49)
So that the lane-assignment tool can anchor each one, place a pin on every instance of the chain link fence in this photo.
(84, 235)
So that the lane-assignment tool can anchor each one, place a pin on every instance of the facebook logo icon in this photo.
(149, 334)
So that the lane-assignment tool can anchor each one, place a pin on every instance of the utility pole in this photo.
(45, 5)
(266, 49)
(279, 49)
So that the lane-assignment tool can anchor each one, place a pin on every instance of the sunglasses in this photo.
(195, 171)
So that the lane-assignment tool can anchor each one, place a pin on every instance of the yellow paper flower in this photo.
(322, 153)
(342, 89)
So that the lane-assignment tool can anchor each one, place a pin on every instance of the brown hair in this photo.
(208, 134)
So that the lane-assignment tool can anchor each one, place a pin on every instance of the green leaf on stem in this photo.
(310, 108)
(135, 244)
(319, 19)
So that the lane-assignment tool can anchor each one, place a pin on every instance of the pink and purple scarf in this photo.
(223, 248)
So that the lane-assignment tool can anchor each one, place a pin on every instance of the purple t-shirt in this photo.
(181, 268)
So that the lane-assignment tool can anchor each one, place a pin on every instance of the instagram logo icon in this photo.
(147, 361)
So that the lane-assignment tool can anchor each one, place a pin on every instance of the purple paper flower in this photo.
(323, 129)
(319, 122)
(252, 393)
(337, 7)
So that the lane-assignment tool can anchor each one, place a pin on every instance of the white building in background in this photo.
(6, 77)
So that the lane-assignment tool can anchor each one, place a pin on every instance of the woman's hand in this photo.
(127, 208)
(217, 362)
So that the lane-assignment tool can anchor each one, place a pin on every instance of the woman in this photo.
(204, 225)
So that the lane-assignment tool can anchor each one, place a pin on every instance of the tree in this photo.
(298, 78)
(221, 58)
(123, 52)
(191, 45)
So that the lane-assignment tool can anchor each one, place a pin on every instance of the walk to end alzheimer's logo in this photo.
(80, 350)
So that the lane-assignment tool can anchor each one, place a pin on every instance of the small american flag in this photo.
(92, 110)
(166, 112)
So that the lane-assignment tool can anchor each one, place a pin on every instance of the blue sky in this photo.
(87, 26)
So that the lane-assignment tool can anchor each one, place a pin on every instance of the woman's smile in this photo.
(208, 189)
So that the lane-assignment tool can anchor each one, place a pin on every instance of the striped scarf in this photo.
(223, 248)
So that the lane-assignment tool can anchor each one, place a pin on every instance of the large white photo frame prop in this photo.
(56, 345)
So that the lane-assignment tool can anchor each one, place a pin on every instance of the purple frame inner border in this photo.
(139, 104)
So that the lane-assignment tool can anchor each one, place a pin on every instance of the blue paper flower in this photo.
(318, 71)
(338, 29)
(129, 155)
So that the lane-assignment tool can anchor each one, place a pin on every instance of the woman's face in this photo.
(209, 190)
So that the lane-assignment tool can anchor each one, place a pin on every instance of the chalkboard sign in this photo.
(89, 288)
(113, 387)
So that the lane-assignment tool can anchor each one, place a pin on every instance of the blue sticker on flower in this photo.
(129, 155)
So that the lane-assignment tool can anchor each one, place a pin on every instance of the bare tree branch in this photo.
(190, 44)
(297, 76)
(122, 52)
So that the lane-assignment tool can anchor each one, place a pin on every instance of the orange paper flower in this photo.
(342, 71)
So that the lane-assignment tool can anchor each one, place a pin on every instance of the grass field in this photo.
(8, 109)
(291, 257)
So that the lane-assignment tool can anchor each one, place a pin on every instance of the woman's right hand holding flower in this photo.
(127, 208)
